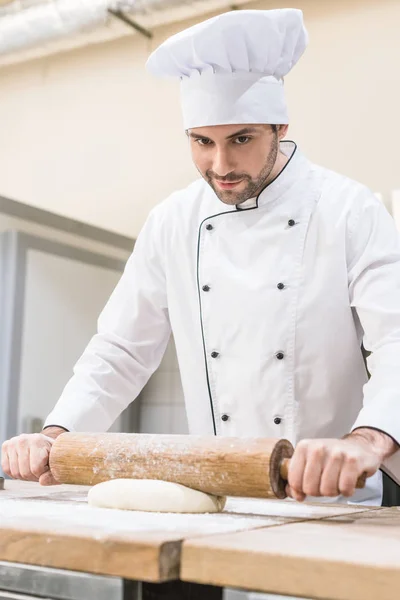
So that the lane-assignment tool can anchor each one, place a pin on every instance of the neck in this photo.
(279, 165)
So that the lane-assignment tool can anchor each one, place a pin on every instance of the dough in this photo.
(154, 496)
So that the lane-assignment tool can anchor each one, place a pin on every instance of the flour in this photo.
(286, 508)
(65, 509)
(151, 456)
(65, 517)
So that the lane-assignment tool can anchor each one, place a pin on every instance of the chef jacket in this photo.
(270, 303)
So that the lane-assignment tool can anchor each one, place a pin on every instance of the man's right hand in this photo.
(26, 456)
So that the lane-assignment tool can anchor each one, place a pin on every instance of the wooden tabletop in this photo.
(55, 527)
(349, 557)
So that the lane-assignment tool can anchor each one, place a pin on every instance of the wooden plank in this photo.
(290, 510)
(151, 557)
(351, 557)
(29, 489)
(384, 517)
(55, 527)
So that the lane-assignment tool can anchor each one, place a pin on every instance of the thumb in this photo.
(369, 471)
(47, 479)
(296, 496)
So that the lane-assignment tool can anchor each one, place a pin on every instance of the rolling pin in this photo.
(223, 466)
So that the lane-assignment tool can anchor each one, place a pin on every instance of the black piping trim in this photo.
(202, 332)
(237, 211)
(274, 179)
(59, 427)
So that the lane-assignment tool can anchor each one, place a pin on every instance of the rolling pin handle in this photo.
(284, 471)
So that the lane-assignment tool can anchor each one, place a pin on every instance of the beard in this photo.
(254, 184)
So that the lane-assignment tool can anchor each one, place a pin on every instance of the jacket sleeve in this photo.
(133, 333)
(373, 247)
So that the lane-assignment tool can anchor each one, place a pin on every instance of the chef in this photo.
(272, 273)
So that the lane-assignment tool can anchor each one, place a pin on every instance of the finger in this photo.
(24, 463)
(296, 496)
(5, 463)
(14, 466)
(313, 471)
(47, 479)
(39, 460)
(330, 476)
(349, 475)
(296, 471)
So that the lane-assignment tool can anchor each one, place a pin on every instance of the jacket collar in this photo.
(294, 169)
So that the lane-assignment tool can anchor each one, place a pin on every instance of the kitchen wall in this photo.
(161, 402)
(90, 135)
(162, 407)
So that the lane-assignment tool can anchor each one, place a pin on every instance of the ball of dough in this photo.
(152, 495)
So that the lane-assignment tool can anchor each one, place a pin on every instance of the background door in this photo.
(51, 297)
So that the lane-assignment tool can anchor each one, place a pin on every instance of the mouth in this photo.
(228, 185)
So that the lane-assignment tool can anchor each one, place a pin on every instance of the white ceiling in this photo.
(33, 28)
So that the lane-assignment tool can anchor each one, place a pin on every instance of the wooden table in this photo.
(351, 557)
(52, 535)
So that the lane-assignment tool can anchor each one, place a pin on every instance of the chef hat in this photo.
(232, 66)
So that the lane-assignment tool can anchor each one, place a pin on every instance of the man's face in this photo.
(236, 160)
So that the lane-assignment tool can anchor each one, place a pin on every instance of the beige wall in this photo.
(89, 135)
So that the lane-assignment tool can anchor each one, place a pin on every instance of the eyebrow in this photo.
(244, 131)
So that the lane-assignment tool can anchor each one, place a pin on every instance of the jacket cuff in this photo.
(60, 421)
(54, 425)
(380, 421)
(391, 467)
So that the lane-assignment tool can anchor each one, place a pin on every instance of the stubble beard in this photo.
(254, 186)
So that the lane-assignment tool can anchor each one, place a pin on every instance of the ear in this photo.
(282, 131)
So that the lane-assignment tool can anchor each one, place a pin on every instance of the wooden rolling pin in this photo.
(224, 466)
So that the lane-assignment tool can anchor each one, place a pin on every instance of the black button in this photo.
(277, 420)
(291, 222)
(214, 354)
(225, 417)
(279, 355)
(280, 286)
(209, 227)
(206, 288)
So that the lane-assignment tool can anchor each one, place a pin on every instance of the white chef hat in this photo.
(232, 66)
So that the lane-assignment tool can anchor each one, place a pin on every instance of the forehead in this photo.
(219, 132)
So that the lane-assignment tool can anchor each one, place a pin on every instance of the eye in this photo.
(203, 141)
(242, 139)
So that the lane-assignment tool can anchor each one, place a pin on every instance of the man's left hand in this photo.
(330, 467)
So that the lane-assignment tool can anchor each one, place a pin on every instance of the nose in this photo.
(223, 164)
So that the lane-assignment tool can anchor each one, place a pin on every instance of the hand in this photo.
(26, 457)
(330, 467)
